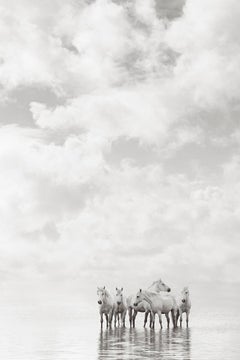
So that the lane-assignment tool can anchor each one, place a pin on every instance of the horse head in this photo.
(102, 293)
(139, 297)
(185, 294)
(119, 296)
(159, 285)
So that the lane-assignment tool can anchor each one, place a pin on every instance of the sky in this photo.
(119, 142)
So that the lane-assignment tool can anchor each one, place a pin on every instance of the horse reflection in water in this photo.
(122, 343)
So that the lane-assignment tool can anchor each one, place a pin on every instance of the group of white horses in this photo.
(156, 300)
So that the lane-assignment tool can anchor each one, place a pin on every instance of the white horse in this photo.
(120, 307)
(106, 305)
(160, 304)
(144, 306)
(184, 305)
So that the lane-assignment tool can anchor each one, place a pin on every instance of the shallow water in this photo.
(60, 332)
(215, 338)
(144, 344)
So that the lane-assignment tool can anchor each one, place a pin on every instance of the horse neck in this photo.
(154, 287)
(107, 298)
(151, 286)
(187, 299)
(147, 297)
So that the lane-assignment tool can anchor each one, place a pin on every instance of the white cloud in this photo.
(123, 73)
(206, 36)
(130, 112)
(168, 221)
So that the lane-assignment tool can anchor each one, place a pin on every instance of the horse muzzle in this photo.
(183, 300)
(169, 289)
(119, 302)
(99, 302)
(135, 304)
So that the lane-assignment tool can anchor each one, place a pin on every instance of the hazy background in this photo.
(119, 147)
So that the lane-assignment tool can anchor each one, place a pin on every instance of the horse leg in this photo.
(110, 316)
(145, 318)
(115, 319)
(160, 319)
(150, 323)
(176, 318)
(101, 320)
(153, 319)
(187, 318)
(173, 316)
(180, 315)
(121, 318)
(124, 317)
(168, 319)
(134, 317)
(106, 316)
(130, 310)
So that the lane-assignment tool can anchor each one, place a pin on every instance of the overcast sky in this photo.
(119, 141)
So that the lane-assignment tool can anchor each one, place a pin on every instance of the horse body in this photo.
(184, 305)
(106, 306)
(120, 307)
(144, 306)
(160, 304)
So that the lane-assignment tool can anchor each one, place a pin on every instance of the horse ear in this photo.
(140, 290)
(122, 289)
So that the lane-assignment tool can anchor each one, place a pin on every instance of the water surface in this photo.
(63, 333)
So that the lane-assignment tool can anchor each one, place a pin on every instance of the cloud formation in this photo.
(129, 82)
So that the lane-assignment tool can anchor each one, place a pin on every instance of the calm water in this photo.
(60, 332)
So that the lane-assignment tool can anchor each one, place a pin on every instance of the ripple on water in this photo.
(136, 344)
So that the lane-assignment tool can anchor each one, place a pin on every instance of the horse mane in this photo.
(150, 293)
(155, 283)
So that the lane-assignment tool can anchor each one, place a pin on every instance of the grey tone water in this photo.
(50, 332)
